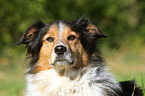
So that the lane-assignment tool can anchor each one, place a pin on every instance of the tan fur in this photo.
(47, 48)
(68, 73)
(30, 34)
(92, 29)
(76, 47)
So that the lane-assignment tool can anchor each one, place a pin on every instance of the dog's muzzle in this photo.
(62, 57)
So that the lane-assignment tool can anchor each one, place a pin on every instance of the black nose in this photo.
(60, 50)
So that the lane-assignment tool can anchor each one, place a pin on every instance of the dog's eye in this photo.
(50, 39)
(71, 38)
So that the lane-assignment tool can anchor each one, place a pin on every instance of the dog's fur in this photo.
(65, 61)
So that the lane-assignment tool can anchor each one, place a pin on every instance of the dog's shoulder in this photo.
(130, 89)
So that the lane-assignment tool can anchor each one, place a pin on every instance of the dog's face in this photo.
(60, 44)
(62, 48)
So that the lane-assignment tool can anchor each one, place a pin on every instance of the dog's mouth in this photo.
(62, 62)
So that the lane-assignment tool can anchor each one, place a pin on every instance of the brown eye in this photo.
(71, 38)
(50, 39)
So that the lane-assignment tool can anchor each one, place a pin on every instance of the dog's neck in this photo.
(70, 73)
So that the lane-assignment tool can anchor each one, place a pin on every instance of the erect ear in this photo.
(29, 34)
(93, 30)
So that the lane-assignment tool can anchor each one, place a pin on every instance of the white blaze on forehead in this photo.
(61, 27)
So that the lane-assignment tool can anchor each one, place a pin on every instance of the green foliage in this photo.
(120, 19)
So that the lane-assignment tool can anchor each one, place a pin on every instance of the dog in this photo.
(65, 61)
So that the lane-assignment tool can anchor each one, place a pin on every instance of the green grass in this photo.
(125, 64)
(143, 86)
(12, 70)
(142, 82)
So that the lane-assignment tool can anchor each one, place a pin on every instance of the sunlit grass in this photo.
(12, 70)
(125, 63)
(142, 82)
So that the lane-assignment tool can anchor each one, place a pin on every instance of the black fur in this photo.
(34, 42)
(130, 89)
(88, 40)
(80, 26)
(38, 25)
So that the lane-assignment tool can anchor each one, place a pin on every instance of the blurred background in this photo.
(123, 21)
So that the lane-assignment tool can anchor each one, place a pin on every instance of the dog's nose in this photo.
(60, 50)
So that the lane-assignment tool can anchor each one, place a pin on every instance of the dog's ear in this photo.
(29, 34)
(91, 28)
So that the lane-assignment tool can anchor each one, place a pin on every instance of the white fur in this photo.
(67, 55)
(61, 27)
(90, 81)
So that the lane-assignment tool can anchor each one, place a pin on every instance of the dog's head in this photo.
(60, 44)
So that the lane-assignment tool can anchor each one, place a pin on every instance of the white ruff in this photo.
(87, 83)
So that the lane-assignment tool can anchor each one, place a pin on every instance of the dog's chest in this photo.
(49, 83)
